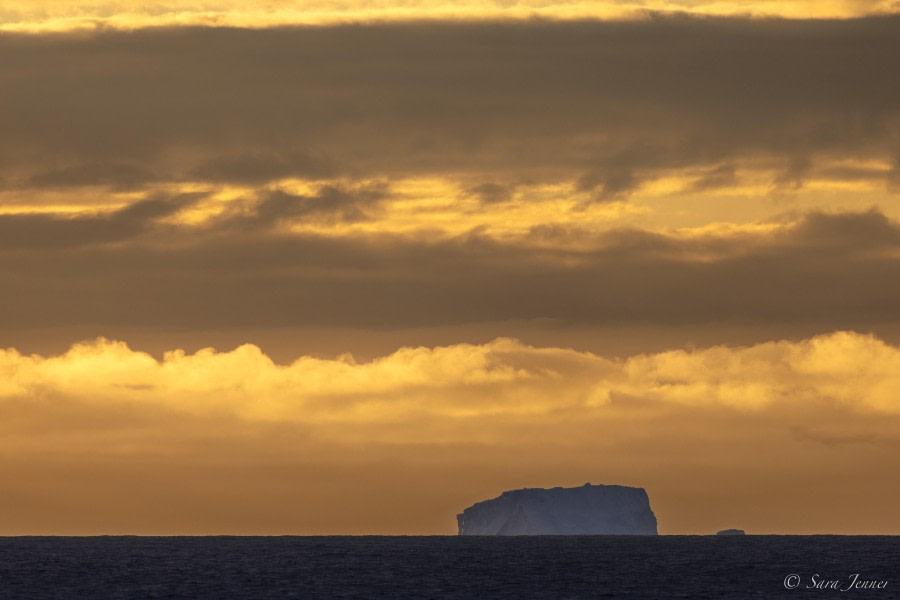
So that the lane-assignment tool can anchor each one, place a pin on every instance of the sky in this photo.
(347, 268)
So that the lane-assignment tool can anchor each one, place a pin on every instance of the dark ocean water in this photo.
(445, 567)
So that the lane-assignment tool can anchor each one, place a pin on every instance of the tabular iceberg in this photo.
(586, 510)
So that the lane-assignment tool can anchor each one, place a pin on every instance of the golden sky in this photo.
(261, 261)
(66, 15)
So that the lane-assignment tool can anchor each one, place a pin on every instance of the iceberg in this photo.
(586, 510)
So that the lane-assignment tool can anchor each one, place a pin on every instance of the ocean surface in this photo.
(449, 567)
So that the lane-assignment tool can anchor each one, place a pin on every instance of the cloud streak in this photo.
(64, 15)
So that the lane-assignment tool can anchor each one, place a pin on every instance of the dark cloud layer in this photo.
(831, 270)
(605, 104)
(259, 167)
(117, 175)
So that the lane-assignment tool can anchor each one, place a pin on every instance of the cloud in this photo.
(611, 106)
(857, 231)
(52, 231)
(328, 205)
(793, 176)
(612, 183)
(465, 381)
(717, 177)
(491, 193)
(823, 270)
